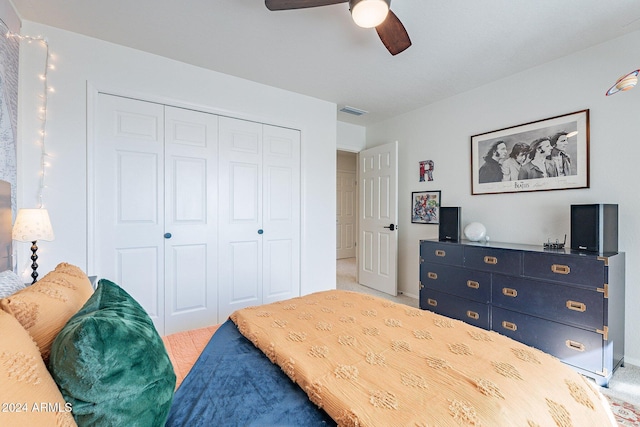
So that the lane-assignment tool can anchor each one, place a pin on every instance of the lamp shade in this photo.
(32, 225)
(369, 13)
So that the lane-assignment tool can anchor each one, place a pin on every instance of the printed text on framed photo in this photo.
(549, 154)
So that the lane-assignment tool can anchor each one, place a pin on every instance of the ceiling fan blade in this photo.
(393, 34)
(298, 4)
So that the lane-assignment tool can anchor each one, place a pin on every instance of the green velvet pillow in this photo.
(110, 363)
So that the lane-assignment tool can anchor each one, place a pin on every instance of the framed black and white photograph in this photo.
(425, 207)
(549, 154)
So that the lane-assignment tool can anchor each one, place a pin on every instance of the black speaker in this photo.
(594, 228)
(450, 220)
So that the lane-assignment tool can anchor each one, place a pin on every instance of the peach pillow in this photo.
(29, 396)
(45, 307)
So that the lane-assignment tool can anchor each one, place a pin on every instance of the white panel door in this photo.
(129, 196)
(378, 177)
(280, 214)
(240, 215)
(191, 180)
(345, 215)
(259, 216)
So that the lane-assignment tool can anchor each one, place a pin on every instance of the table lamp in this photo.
(32, 225)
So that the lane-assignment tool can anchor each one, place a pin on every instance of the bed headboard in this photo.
(5, 226)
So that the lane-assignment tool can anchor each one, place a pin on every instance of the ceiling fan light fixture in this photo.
(369, 13)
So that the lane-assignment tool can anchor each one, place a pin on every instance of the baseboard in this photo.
(408, 295)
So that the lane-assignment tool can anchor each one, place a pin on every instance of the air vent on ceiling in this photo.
(352, 110)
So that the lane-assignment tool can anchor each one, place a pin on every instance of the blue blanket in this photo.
(234, 384)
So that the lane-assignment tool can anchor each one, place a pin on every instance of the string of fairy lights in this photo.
(43, 108)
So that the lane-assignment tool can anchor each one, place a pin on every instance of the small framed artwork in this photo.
(549, 154)
(425, 207)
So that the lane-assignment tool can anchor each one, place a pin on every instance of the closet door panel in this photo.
(129, 187)
(244, 194)
(281, 216)
(137, 269)
(188, 279)
(245, 268)
(191, 159)
(240, 215)
(137, 198)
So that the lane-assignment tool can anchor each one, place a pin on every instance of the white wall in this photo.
(351, 137)
(442, 131)
(81, 61)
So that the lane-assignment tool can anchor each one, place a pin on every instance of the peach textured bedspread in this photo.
(184, 348)
(370, 362)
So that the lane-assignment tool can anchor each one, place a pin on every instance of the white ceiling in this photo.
(457, 44)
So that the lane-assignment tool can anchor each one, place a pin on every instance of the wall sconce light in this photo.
(32, 225)
(624, 83)
(369, 13)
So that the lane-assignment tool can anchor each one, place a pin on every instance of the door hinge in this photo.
(421, 285)
(421, 260)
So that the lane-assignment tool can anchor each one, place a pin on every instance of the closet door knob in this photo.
(167, 235)
(260, 231)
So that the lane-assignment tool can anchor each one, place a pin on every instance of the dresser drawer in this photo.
(566, 304)
(441, 252)
(472, 312)
(574, 346)
(493, 260)
(583, 270)
(465, 283)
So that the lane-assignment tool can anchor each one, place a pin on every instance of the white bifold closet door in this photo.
(259, 215)
(155, 208)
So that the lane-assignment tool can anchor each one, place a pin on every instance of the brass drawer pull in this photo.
(432, 275)
(490, 260)
(510, 326)
(510, 292)
(432, 302)
(473, 315)
(575, 345)
(440, 252)
(473, 284)
(560, 269)
(576, 306)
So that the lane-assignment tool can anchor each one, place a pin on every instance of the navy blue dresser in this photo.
(564, 302)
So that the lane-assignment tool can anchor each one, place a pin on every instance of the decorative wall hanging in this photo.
(9, 59)
(426, 169)
(624, 83)
(425, 207)
(549, 154)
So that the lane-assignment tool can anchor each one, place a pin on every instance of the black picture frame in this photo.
(547, 167)
(425, 207)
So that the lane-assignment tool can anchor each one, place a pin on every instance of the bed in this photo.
(363, 360)
(328, 358)
(71, 355)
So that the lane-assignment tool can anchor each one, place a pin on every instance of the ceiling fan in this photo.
(365, 13)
